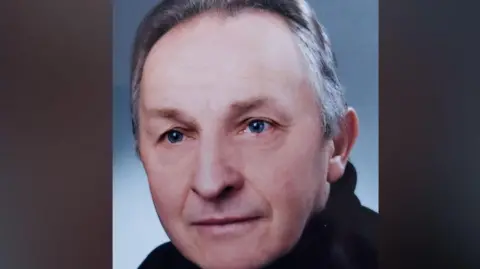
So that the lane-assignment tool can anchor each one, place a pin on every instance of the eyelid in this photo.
(247, 121)
(244, 124)
(163, 135)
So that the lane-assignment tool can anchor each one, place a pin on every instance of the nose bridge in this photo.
(210, 160)
(213, 174)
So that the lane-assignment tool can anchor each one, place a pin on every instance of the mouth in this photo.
(227, 227)
(224, 221)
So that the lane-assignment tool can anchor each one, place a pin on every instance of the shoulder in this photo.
(369, 224)
(362, 242)
(164, 256)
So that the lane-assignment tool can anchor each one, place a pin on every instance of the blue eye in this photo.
(174, 136)
(258, 126)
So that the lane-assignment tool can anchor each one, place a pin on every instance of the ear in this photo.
(342, 146)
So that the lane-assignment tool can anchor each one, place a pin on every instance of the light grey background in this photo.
(353, 28)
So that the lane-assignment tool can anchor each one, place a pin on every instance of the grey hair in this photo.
(313, 42)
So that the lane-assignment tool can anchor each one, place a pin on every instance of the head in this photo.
(241, 125)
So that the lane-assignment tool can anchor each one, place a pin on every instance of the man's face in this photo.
(231, 139)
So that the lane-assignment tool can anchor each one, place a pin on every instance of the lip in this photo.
(220, 221)
(222, 228)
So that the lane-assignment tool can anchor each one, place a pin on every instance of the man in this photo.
(244, 133)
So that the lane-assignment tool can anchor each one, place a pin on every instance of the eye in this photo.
(174, 136)
(258, 126)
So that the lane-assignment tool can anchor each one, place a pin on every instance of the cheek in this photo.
(291, 177)
(298, 182)
(168, 181)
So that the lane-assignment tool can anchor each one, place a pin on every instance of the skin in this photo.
(247, 138)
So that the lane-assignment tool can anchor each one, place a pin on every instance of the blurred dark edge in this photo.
(55, 134)
(55, 144)
(429, 142)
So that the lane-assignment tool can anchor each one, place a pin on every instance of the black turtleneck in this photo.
(342, 236)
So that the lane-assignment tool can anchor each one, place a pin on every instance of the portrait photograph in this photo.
(245, 134)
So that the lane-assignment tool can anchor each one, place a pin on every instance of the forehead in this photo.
(253, 53)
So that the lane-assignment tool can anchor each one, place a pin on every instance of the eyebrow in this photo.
(236, 110)
(172, 114)
(240, 108)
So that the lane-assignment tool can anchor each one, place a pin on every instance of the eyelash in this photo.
(244, 125)
(163, 136)
(246, 122)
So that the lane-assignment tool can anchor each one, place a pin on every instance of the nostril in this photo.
(226, 192)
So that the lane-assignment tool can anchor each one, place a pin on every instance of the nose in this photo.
(216, 176)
